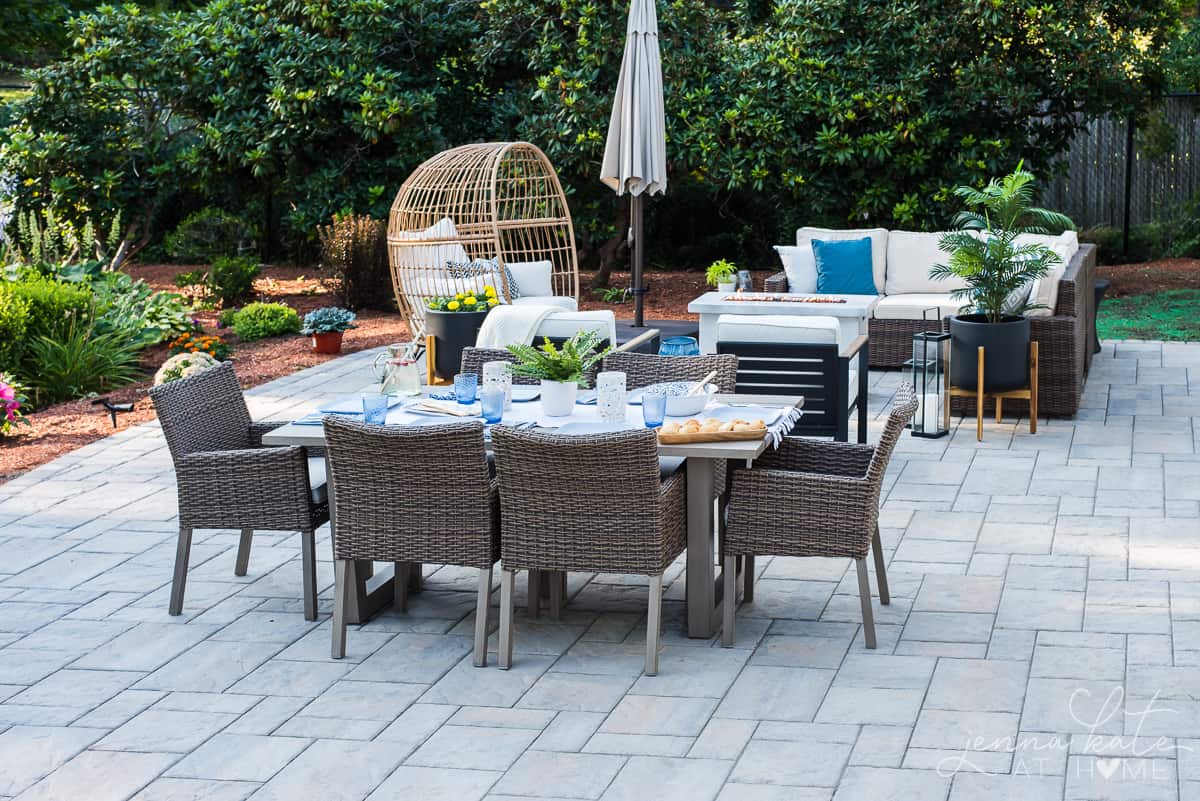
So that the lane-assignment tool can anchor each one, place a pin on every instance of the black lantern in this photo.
(927, 374)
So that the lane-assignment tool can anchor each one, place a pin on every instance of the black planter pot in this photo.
(1006, 352)
(453, 332)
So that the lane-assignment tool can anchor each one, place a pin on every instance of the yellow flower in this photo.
(452, 305)
(490, 291)
(493, 302)
(470, 301)
(459, 296)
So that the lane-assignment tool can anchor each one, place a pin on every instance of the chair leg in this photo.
(558, 582)
(507, 579)
(533, 595)
(483, 594)
(728, 600)
(654, 624)
(308, 563)
(401, 583)
(243, 554)
(864, 594)
(341, 589)
(885, 597)
(748, 581)
(183, 549)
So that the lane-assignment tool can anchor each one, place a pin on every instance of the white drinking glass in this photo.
(499, 373)
(610, 396)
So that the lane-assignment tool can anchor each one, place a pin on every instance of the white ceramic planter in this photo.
(558, 397)
(727, 286)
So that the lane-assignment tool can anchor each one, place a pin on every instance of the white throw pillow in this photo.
(533, 277)
(878, 237)
(800, 267)
(432, 256)
(1044, 291)
(910, 257)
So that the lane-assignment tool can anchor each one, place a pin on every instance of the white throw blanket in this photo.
(512, 325)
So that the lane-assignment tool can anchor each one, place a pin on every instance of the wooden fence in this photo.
(1092, 189)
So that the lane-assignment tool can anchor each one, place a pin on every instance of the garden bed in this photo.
(1153, 300)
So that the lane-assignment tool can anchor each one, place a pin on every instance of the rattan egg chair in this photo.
(497, 200)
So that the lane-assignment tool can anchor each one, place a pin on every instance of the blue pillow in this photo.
(844, 267)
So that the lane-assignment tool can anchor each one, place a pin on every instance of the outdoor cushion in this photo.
(567, 324)
(843, 266)
(560, 301)
(432, 255)
(910, 257)
(878, 237)
(1044, 291)
(799, 266)
(911, 306)
(778, 328)
(532, 277)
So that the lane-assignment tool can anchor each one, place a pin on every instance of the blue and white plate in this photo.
(577, 428)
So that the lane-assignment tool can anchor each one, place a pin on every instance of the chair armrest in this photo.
(779, 503)
(776, 283)
(802, 455)
(645, 336)
(258, 429)
(249, 488)
(854, 347)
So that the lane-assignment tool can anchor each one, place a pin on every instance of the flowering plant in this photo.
(12, 399)
(183, 365)
(465, 301)
(214, 346)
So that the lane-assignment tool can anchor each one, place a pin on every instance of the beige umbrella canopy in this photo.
(635, 154)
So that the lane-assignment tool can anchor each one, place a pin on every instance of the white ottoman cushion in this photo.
(566, 324)
(558, 301)
(778, 328)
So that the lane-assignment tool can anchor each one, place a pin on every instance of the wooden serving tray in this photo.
(710, 436)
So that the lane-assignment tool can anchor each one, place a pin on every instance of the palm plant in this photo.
(569, 363)
(984, 252)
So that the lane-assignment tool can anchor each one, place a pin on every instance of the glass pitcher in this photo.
(400, 375)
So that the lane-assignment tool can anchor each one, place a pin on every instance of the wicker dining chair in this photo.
(409, 496)
(226, 479)
(813, 498)
(473, 360)
(611, 513)
(644, 369)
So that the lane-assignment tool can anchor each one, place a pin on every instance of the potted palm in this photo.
(326, 327)
(721, 275)
(454, 323)
(562, 370)
(998, 274)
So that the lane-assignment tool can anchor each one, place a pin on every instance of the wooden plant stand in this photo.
(1028, 393)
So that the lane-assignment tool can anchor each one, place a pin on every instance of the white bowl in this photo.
(678, 403)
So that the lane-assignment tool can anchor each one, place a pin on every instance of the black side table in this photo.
(1102, 285)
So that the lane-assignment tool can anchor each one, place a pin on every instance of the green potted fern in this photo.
(998, 274)
(562, 369)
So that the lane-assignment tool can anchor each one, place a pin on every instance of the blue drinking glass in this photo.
(654, 408)
(679, 346)
(375, 409)
(465, 385)
(491, 401)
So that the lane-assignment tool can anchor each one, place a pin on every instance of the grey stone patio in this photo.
(1043, 641)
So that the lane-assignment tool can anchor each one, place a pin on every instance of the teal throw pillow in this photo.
(844, 267)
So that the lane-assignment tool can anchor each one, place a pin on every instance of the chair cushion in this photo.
(799, 266)
(910, 256)
(432, 256)
(1044, 291)
(566, 324)
(878, 237)
(912, 305)
(316, 479)
(778, 328)
(532, 277)
(843, 266)
(561, 301)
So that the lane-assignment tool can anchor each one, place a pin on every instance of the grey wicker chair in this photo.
(411, 495)
(613, 514)
(644, 369)
(226, 479)
(811, 498)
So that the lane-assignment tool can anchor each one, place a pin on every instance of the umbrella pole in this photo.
(639, 252)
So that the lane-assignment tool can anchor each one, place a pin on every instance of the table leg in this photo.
(701, 572)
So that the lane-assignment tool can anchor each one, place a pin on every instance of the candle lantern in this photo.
(926, 371)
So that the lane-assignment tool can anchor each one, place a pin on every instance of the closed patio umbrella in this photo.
(635, 153)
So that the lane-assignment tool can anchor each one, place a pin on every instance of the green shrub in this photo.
(14, 319)
(207, 235)
(52, 304)
(134, 309)
(260, 320)
(80, 361)
(232, 278)
(354, 251)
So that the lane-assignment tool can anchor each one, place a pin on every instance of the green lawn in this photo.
(1172, 315)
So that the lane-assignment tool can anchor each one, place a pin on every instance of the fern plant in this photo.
(984, 252)
(567, 364)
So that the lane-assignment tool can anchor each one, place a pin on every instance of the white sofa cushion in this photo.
(778, 328)
(910, 257)
(800, 266)
(558, 301)
(878, 237)
(911, 306)
(1044, 291)
(532, 277)
(566, 324)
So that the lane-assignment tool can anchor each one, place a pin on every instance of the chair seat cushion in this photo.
(913, 306)
(774, 328)
(559, 301)
(316, 479)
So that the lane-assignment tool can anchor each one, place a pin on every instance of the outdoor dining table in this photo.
(373, 590)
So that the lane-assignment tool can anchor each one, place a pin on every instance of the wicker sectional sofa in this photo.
(1063, 336)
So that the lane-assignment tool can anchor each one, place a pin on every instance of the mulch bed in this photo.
(1151, 277)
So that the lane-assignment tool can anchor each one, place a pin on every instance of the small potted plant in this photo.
(326, 327)
(722, 274)
(562, 370)
(454, 323)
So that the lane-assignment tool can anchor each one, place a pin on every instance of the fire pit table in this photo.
(852, 311)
